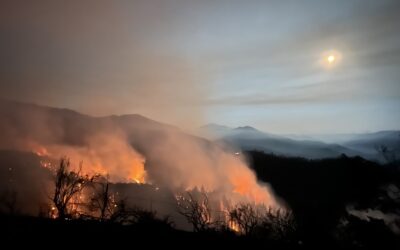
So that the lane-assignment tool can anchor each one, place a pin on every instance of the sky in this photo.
(188, 63)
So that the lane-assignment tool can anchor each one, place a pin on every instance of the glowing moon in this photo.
(330, 59)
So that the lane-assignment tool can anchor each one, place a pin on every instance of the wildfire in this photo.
(41, 151)
(47, 165)
(53, 212)
(114, 157)
(245, 184)
(137, 181)
(233, 226)
(241, 185)
(138, 174)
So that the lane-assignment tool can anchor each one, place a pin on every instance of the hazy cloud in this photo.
(180, 61)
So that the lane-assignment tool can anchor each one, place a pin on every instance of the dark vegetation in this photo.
(321, 192)
(327, 203)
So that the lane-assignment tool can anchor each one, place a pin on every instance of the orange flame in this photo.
(104, 156)
(41, 151)
(234, 226)
(244, 182)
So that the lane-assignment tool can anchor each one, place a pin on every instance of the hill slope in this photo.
(249, 138)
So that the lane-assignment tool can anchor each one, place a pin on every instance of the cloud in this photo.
(175, 60)
(98, 57)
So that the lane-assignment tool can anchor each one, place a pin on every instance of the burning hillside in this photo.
(104, 154)
(132, 150)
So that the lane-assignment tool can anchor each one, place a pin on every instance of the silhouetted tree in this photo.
(103, 201)
(146, 219)
(67, 185)
(262, 222)
(197, 211)
(280, 224)
(121, 213)
(246, 217)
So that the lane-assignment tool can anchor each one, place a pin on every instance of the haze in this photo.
(189, 63)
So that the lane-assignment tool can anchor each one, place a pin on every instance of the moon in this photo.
(330, 58)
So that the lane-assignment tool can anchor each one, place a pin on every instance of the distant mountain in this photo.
(214, 131)
(371, 142)
(343, 138)
(250, 138)
(46, 125)
(247, 129)
(309, 146)
(367, 144)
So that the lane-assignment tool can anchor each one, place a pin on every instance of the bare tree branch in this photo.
(197, 211)
(68, 184)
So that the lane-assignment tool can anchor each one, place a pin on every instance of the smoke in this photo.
(132, 149)
(182, 162)
(105, 154)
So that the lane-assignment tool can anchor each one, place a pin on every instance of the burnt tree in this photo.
(67, 185)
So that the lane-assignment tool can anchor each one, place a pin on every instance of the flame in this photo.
(244, 183)
(34, 147)
(246, 186)
(41, 151)
(104, 155)
(138, 174)
(47, 165)
(234, 226)
(226, 175)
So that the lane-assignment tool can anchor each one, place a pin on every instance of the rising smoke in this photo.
(131, 149)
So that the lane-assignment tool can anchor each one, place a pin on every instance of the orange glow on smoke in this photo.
(241, 185)
(138, 174)
(41, 151)
(113, 156)
(245, 183)
(247, 187)
(115, 159)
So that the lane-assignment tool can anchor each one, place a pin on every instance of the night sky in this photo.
(188, 63)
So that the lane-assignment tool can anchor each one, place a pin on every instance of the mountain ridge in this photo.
(249, 138)
(68, 126)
